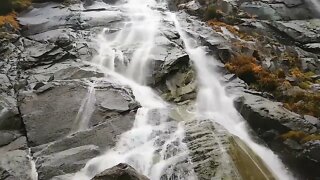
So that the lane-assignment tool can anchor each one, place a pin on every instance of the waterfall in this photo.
(154, 146)
(215, 104)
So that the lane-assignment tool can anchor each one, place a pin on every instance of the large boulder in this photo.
(277, 10)
(302, 31)
(64, 162)
(263, 114)
(216, 153)
(16, 164)
(208, 144)
(120, 172)
(47, 122)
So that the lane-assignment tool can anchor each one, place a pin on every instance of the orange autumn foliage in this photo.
(11, 19)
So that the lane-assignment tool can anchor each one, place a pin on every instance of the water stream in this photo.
(86, 110)
(213, 102)
(154, 145)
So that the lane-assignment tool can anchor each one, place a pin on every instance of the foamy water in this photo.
(154, 146)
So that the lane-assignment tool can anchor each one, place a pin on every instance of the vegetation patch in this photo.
(300, 136)
(217, 25)
(212, 12)
(9, 9)
(302, 101)
(246, 68)
(8, 6)
(11, 19)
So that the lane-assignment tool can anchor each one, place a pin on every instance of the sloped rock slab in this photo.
(9, 114)
(103, 136)
(50, 113)
(16, 165)
(264, 114)
(303, 31)
(64, 162)
(270, 120)
(208, 144)
(278, 10)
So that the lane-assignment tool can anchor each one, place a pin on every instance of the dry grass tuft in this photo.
(11, 19)
(300, 136)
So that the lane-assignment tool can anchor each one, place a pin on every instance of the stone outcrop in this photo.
(277, 127)
(45, 82)
(216, 153)
(120, 172)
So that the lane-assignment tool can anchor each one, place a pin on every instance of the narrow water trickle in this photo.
(315, 6)
(86, 110)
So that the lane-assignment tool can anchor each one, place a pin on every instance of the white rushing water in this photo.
(213, 103)
(154, 146)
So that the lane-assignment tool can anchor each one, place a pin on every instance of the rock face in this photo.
(16, 165)
(57, 111)
(279, 35)
(49, 122)
(46, 103)
(277, 127)
(120, 172)
(216, 153)
(208, 159)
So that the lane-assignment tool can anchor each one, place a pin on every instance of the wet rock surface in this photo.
(119, 172)
(210, 160)
(282, 40)
(46, 79)
(277, 126)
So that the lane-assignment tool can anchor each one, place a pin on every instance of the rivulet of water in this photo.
(315, 5)
(86, 110)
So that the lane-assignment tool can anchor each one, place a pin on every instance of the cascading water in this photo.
(154, 146)
(213, 102)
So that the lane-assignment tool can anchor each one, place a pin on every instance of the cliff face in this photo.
(268, 56)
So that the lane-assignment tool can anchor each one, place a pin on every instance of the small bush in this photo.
(245, 67)
(7, 6)
(212, 13)
(300, 136)
(296, 135)
(11, 19)
(304, 85)
(268, 81)
(304, 103)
